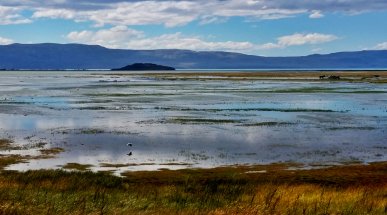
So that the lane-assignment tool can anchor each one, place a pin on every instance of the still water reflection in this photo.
(150, 123)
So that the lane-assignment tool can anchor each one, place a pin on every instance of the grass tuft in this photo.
(77, 166)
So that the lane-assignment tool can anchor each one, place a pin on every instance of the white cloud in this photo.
(316, 14)
(123, 37)
(54, 13)
(381, 46)
(299, 39)
(115, 37)
(269, 46)
(204, 20)
(5, 41)
(316, 50)
(9, 15)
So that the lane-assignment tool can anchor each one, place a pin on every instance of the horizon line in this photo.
(235, 52)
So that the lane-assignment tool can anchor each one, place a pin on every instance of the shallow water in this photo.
(190, 123)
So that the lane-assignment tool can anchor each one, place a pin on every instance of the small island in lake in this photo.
(143, 66)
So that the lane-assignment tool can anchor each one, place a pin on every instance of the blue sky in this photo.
(259, 27)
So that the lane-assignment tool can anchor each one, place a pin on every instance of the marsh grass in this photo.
(9, 145)
(6, 160)
(356, 189)
(351, 128)
(124, 164)
(5, 144)
(128, 95)
(52, 151)
(184, 120)
(77, 166)
(245, 109)
(92, 131)
(267, 124)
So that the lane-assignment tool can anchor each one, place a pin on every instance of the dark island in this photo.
(143, 67)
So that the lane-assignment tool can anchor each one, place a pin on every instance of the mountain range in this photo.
(49, 56)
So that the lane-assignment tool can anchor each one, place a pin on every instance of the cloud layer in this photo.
(124, 14)
(176, 13)
(124, 37)
(10, 15)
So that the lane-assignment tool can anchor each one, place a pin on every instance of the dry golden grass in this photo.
(286, 74)
(260, 189)
(353, 189)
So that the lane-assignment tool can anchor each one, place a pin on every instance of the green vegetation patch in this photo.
(267, 124)
(6, 160)
(125, 164)
(352, 128)
(201, 121)
(77, 166)
(244, 109)
(92, 131)
(52, 151)
(128, 94)
(5, 144)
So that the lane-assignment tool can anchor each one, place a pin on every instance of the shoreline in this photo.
(204, 70)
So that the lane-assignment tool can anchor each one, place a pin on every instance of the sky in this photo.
(258, 27)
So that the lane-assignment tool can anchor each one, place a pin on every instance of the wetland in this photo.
(200, 119)
(196, 135)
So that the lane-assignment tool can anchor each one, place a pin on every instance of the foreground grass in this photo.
(356, 189)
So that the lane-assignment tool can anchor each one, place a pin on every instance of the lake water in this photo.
(145, 123)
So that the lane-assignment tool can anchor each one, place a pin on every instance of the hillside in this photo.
(78, 56)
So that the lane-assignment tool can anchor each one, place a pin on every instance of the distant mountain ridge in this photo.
(79, 56)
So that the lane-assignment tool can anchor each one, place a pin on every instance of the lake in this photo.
(147, 121)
